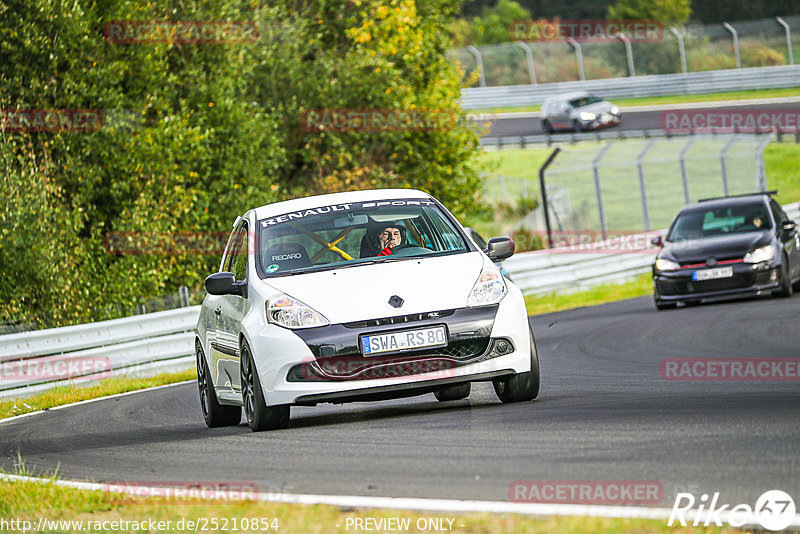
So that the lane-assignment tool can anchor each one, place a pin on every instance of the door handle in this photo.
(218, 311)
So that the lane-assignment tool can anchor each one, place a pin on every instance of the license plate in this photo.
(712, 274)
(402, 341)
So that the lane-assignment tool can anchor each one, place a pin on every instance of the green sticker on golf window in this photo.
(272, 268)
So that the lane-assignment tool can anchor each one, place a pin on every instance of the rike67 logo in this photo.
(774, 510)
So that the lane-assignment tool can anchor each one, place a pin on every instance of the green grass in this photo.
(671, 99)
(30, 501)
(73, 393)
(600, 294)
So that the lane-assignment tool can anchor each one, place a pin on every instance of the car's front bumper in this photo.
(604, 120)
(289, 362)
(748, 280)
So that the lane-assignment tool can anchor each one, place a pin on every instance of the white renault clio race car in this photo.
(357, 296)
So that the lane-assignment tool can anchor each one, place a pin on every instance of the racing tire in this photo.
(455, 392)
(786, 286)
(577, 126)
(214, 413)
(259, 416)
(547, 126)
(521, 386)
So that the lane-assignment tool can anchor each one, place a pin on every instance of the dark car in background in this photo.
(733, 246)
(578, 111)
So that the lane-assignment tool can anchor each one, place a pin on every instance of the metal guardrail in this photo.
(132, 345)
(634, 87)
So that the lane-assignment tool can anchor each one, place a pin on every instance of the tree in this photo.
(666, 11)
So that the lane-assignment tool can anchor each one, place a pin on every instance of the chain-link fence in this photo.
(633, 186)
(691, 48)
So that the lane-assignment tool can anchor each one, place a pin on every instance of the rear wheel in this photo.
(259, 415)
(214, 413)
(547, 126)
(521, 386)
(456, 392)
(785, 290)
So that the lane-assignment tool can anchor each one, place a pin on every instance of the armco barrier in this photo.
(713, 81)
(161, 340)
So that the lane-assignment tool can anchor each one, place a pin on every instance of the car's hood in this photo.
(362, 292)
(719, 247)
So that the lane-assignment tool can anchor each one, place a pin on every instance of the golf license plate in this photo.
(422, 338)
(712, 274)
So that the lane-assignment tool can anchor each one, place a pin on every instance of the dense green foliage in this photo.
(211, 129)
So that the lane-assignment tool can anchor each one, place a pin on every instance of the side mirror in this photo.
(500, 248)
(788, 226)
(225, 283)
(657, 241)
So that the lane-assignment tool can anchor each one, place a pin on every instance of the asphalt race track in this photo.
(604, 413)
(631, 120)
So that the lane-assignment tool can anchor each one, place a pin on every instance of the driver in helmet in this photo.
(390, 237)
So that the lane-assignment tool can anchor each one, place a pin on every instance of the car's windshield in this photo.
(585, 101)
(354, 233)
(699, 223)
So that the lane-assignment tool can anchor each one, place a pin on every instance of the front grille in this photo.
(399, 319)
(394, 365)
(689, 287)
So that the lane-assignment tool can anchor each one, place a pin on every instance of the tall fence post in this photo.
(642, 188)
(788, 31)
(684, 170)
(628, 53)
(681, 48)
(761, 171)
(598, 190)
(735, 36)
(529, 58)
(545, 201)
(722, 155)
(578, 56)
(479, 61)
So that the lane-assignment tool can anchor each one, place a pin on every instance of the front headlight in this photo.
(765, 253)
(489, 289)
(614, 110)
(587, 116)
(291, 313)
(663, 264)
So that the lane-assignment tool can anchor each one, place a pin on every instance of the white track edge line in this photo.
(417, 503)
(87, 401)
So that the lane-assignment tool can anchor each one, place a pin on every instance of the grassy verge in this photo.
(671, 99)
(600, 294)
(27, 501)
(74, 393)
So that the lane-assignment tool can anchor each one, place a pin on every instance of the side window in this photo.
(237, 261)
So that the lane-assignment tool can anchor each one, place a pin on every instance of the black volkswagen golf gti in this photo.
(732, 246)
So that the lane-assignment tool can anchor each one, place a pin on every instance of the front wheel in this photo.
(214, 413)
(521, 386)
(785, 290)
(259, 415)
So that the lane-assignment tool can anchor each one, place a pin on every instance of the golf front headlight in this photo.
(663, 264)
(587, 116)
(614, 110)
(291, 313)
(764, 253)
(489, 289)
